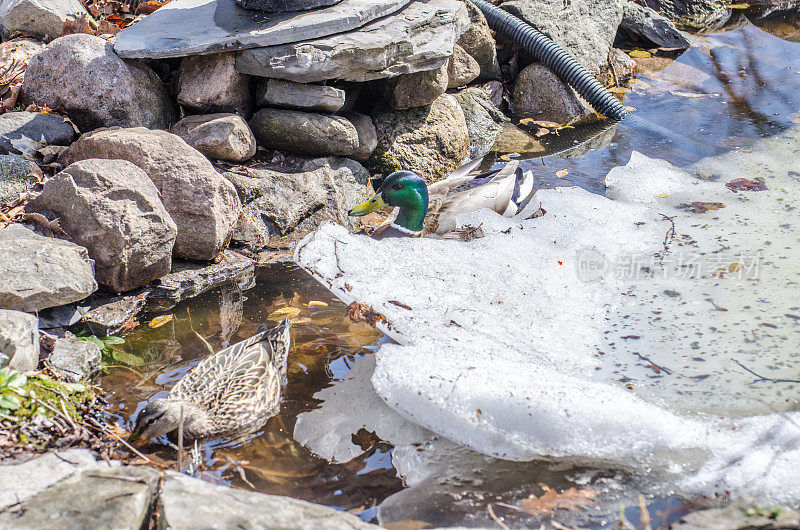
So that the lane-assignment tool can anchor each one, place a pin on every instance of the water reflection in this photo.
(325, 345)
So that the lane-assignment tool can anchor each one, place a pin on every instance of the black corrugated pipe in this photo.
(571, 71)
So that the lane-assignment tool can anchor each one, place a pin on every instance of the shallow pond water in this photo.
(729, 89)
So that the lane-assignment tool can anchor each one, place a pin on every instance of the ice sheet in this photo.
(547, 337)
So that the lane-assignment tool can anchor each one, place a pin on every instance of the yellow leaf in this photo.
(563, 173)
(639, 54)
(284, 312)
(739, 6)
(735, 267)
(317, 303)
(159, 321)
(664, 195)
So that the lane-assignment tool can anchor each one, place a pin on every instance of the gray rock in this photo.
(484, 121)
(101, 89)
(113, 209)
(622, 68)
(305, 133)
(16, 176)
(778, 18)
(110, 315)
(280, 6)
(588, 40)
(431, 140)
(367, 135)
(300, 96)
(22, 132)
(416, 90)
(74, 359)
(40, 18)
(461, 68)
(695, 15)
(23, 480)
(222, 25)
(479, 43)
(540, 94)
(221, 136)
(209, 83)
(40, 272)
(644, 27)
(283, 206)
(743, 514)
(203, 205)
(19, 340)
(187, 502)
(117, 498)
(418, 38)
(189, 279)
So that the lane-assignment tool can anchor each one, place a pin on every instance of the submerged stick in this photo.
(180, 441)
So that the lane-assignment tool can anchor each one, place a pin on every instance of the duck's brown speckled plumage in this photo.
(233, 391)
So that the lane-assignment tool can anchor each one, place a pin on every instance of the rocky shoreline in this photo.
(139, 169)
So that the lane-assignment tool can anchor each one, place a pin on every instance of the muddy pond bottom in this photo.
(325, 343)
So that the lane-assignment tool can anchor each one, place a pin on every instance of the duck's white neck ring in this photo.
(405, 230)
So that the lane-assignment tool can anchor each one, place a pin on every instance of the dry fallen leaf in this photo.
(639, 54)
(703, 207)
(151, 6)
(562, 173)
(364, 313)
(550, 501)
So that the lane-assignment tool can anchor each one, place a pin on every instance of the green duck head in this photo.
(407, 191)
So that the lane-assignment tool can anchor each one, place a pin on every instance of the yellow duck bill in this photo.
(375, 203)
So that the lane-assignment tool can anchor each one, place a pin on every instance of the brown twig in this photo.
(496, 519)
(644, 515)
(180, 441)
(670, 235)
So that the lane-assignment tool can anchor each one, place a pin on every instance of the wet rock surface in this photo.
(588, 41)
(540, 94)
(21, 131)
(19, 340)
(110, 315)
(41, 272)
(209, 83)
(645, 27)
(418, 38)
(113, 209)
(221, 24)
(484, 121)
(189, 503)
(221, 136)
(283, 205)
(203, 205)
(189, 278)
(101, 90)
(431, 140)
(694, 15)
(40, 18)
(16, 176)
(74, 359)
(289, 95)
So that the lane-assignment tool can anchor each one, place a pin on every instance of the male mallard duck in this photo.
(424, 209)
(234, 390)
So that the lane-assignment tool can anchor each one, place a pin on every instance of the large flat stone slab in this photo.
(193, 27)
(418, 38)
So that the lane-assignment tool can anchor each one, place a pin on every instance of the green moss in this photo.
(382, 162)
(22, 397)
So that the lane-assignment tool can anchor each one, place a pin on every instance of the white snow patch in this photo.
(515, 347)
